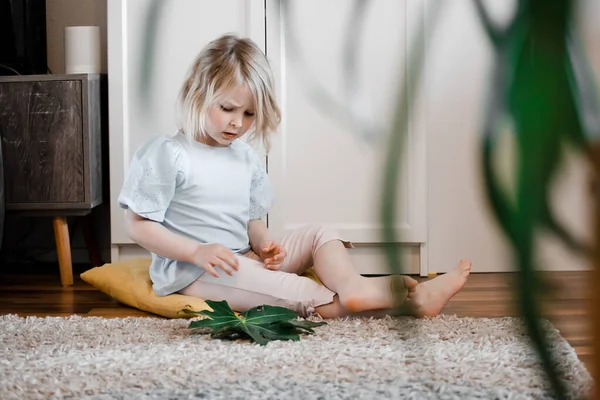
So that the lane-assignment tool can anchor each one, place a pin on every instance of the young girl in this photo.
(197, 200)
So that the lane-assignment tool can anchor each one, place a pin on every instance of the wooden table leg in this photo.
(63, 248)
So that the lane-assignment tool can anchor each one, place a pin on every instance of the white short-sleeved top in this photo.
(203, 192)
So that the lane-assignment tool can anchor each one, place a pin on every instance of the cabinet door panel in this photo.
(41, 130)
(323, 171)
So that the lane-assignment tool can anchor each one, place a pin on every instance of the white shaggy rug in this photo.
(148, 358)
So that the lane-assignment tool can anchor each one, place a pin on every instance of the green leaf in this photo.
(260, 324)
(222, 316)
(229, 333)
(275, 332)
(189, 310)
(267, 314)
(538, 85)
(301, 325)
(262, 334)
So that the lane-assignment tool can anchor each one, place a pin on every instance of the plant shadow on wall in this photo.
(541, 87)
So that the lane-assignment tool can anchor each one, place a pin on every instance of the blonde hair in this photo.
(224, 63)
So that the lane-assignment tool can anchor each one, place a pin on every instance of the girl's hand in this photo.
(209, 256)
(272, 254)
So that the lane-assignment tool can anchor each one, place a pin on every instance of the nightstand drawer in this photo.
(41, 130)
(50, 126)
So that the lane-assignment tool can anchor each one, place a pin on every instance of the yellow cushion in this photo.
(129, 282)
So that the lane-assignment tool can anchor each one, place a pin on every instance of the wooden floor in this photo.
(35, 290)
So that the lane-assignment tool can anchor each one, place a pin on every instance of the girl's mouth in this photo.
(228, 135)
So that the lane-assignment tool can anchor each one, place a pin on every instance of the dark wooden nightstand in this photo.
(51, 129)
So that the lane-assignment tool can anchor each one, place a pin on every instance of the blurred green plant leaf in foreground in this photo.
(536, 87)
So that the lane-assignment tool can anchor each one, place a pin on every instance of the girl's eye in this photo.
(249, 114)
(225, 108)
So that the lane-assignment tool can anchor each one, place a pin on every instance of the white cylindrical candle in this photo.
(82, 49)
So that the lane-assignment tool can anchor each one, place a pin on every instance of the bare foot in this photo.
(382, 293)
(429, 298)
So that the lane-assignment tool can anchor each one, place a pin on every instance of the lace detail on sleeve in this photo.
(261, 192)
(156, 169)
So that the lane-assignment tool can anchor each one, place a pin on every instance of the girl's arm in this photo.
(268, 250)
(159, 240)
(258, 234)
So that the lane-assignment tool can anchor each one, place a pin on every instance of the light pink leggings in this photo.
(254, 285)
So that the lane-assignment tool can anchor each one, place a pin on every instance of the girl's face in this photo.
(230, 118)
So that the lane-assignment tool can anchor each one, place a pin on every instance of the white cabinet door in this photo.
(184, 28)
(322, 170)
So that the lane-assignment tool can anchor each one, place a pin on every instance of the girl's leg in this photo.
(254, 285)
(429, 298)
(326, 252)
(401, 295)
(344, 292)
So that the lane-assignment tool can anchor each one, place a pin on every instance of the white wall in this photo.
(460, 61)
(62, 13)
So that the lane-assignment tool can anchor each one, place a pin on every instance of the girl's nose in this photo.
(235, 123)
